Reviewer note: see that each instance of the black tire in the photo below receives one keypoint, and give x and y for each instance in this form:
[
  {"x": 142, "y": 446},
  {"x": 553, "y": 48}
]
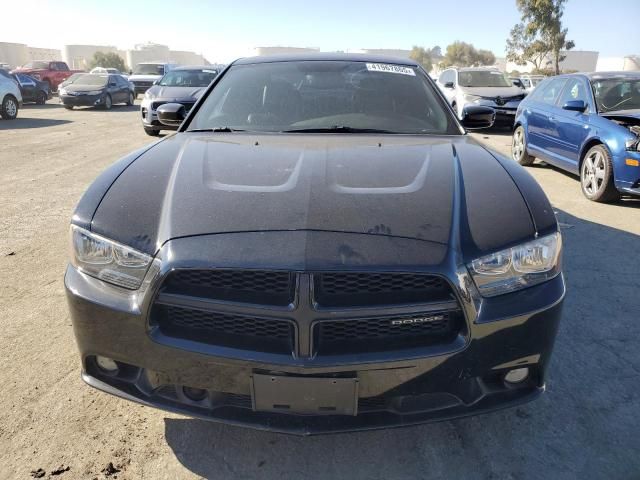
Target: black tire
[
  {"x": 9, "y": 108},
  {"x": 41, "y": 98},
  {"x": 131, "y": 99},
  {"x": 69, "y": 107},
  {"x": 151, "y": 132},
  {"x": 596, "y": 175},
  {"x": 519, "y": 147},
  {"x": 108, "y": 102}
]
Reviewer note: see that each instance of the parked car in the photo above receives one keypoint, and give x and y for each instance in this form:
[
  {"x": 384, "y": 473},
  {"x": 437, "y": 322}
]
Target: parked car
[
  {"x": 103, "y": 70},
  {"x": 32, "y": 90},
  {"x": 586, "y": 124},
  {"x": 320, "y": 247},
  {"x": 96, "y": 90},
  {"x": 182, "y": 85},
  {"x": 53, "y": 73},
  {"x": 70, "y": 80},
  {"x": 530, "y": 82},
  {"x": 145, "y": 74},
  {"x": 5, "y": 66},
  {"x": 10, "y": 98},
  {"x": 481, "y": 86}
]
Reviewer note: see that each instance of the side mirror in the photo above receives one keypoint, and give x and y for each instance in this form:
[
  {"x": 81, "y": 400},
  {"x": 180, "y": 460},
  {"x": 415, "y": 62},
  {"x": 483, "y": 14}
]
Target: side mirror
[
  {"x": 171, "y": 114},
  {"x": 475, "y": 117},
  {"x": 448, "y": 85},
  {"x": 575, "y": 106}
]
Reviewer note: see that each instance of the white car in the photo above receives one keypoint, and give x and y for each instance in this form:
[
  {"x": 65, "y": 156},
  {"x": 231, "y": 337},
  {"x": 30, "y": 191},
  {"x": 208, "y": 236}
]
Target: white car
[
  {"x": 144, "y": 75},
  {"x": 10, "y": 98},
  {"x": 108, "y": 70}
]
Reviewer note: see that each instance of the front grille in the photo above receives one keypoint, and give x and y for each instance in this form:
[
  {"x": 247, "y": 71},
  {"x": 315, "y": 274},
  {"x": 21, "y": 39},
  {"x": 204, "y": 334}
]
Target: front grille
[
  {"x": 142, "y": 83},
  {"x": 334, "y": 337},
  {"x": 225, "y": 329},
  {"x": 187, "y": 105},
  {"x": 343, "y": 289},
  {"x": 247, "y": 286}
]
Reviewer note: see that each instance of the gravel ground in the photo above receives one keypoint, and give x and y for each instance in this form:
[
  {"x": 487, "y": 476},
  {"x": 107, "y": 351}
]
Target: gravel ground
[{"x": 586, "y": 426}]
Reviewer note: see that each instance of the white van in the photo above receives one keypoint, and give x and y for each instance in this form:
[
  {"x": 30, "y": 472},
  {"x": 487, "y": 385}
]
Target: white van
[{"x": 145, "y": 74}]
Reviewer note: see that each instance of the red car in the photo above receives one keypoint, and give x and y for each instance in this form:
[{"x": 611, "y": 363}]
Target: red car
[{"x": 53, "y": 73}]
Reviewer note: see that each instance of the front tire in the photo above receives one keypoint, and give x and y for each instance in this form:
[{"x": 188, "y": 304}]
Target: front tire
[
  {"x": 152, "y": 132},
  {"x": 596, "y": 175},
  {"x": 69, "y": 107},
  {"x": 9, "y": 108},
  {"x": 131, "y": 99},
  {"x": 519, "y": 147},
  {"x": 41, "y": 98},
  {"x": 108, "y": 103}
]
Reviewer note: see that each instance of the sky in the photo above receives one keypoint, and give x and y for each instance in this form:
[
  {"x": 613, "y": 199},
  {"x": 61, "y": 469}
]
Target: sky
[{"x": 224, "y": 30}]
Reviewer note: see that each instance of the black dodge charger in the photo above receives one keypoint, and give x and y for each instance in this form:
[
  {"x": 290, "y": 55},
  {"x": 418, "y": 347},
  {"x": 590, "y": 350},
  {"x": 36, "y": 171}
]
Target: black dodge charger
[{"x": 320, "y": 247}]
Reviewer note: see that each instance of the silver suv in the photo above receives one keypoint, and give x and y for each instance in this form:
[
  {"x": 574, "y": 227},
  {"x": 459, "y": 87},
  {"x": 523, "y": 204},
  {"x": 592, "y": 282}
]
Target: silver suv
[
  {"x": 10, "y": 98},
  {"x": 481, "y": 86}
]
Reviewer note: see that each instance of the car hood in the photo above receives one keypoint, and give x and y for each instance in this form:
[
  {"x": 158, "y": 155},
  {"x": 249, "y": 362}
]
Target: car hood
[
  {"x": 445, "y": 190},
  {"x": 72, "y": 87},
  {"x": 622, "y": 115},
  {"x": 494, "y": 91},
  {"x": 175, "y": 93}
]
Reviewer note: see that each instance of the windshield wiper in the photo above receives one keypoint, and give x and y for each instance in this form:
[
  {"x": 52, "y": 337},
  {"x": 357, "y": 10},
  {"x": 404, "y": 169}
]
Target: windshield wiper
[
  {"x": 217, "y": 129},
  {"x": 337, "y": 129}
]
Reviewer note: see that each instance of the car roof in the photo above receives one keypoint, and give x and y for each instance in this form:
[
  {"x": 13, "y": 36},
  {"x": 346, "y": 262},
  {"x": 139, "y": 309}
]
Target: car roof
[
  {"x": 313, "y": 56},
  {"x": 605, "y": 75},
  {"x": 197, "y": 67}
]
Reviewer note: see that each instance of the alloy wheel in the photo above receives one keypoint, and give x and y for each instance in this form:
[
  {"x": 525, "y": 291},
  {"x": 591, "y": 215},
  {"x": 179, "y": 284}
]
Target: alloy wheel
[
  {"x": 517, "y": 144},
  {"x": 593, "y": 172},
  {"x": 11, "y": 107}
]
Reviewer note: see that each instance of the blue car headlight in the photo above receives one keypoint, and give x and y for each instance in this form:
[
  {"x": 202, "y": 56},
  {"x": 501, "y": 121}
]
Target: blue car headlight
[{"x": 518, "y": 267}]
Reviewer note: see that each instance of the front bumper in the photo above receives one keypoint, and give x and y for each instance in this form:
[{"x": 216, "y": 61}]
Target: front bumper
[
  {"x": 82, "y": 100},
  {"x": 460, "y": 378}
]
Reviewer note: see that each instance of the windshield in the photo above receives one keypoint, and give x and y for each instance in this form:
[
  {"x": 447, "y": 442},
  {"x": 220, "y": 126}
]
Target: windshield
[
  {"x": 149, "y": 69},
  {"x": 91, "y": 79},
  {"x": 38, "y": 65},
  {"x": 188, "y": 78},
  {"x": 617, "y": 94},
  {"x": 483, "y": 78},
  {"x": 335, "y": 96}
]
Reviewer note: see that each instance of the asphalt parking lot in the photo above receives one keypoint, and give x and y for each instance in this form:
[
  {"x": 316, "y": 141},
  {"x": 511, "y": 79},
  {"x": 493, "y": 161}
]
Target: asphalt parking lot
[{"x": 586, "y": 426}]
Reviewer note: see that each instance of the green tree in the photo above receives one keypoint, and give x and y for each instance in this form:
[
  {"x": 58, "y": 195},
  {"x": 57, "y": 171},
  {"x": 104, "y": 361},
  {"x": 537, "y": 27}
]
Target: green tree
[
  {"x": 464, "y": 54},
  {"x": 524, "y": 48},
  {"x": 422, "y": 56},
  {"x": 107, "y": 60},
  {"x": 542, "y": 29}
]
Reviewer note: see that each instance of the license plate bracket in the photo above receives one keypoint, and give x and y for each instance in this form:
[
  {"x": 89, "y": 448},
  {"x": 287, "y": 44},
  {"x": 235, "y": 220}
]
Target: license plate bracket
[{"x": 305, "y": 395}]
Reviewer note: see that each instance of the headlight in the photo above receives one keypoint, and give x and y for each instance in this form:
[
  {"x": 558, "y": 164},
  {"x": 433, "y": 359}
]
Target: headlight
[
  {"x": 633, "y": 144},
  {"x": 519, "y": 267},
  {"x": 108, "y": 260},
  {"x": 62, "y": 91},
  {"x": 471, "y": 98}
]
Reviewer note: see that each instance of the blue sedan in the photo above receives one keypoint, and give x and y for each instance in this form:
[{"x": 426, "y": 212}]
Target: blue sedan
[{"x": 587, "y": 124}]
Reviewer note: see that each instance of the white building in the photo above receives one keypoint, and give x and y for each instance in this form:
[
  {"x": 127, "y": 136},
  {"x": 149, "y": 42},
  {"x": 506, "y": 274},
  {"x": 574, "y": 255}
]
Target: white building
[
  {"x": 575, "y": 61},
  {"x": 614, "y": 64},
  {"x": 78, "y": 57},
  {"x": 16, "y": 54}
]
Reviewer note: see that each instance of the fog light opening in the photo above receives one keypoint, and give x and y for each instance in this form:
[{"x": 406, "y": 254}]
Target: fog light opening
[
  {"x": 517, "y": 375},
  {"x": 107, "y": 365},
  {"x": 195, "y": 394}
]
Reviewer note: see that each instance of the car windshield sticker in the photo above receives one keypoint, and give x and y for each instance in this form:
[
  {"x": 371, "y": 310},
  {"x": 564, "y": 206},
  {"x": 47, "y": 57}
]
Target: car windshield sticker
[{"x": 383, "y": 67}]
